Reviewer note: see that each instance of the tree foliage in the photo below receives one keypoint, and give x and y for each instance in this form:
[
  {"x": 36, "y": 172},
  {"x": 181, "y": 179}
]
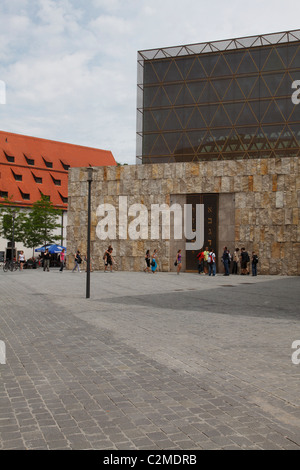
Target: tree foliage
[
  {"x": 32, "y": 228},
  {"x": 40, "y": 224},
  {"x": 12, "y": 219}
]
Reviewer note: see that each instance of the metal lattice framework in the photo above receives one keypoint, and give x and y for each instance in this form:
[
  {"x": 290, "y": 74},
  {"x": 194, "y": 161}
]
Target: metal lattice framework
[{"x": 219, "y": 100}]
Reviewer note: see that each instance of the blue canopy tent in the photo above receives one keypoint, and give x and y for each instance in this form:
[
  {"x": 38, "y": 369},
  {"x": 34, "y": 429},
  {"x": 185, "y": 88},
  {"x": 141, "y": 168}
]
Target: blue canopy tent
[{"x": 52, "y": 248}]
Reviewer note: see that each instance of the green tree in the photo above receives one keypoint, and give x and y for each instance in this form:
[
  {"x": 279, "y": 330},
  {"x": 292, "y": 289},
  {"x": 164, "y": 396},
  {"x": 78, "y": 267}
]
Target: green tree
[
  {"x": 40, "y": 223},
  {"x": 12, "y": 220}
]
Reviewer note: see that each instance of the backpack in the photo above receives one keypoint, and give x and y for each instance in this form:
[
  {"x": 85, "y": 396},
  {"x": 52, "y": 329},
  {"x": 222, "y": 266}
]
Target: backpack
[{"x": 209, "y": 258}]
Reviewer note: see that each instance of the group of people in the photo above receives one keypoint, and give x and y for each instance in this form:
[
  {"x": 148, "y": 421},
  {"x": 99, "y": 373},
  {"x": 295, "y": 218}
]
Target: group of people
[
  {"x": 151, "y": 261},
  {"x": 207, "y": 262},
  {"x": 241, "y": 262},
  {"x": 47, "y": 257},
  {"x": 107, "y": 257},
  {"x": 34, "y": 263},
  {"x": 238, "y": 262}
]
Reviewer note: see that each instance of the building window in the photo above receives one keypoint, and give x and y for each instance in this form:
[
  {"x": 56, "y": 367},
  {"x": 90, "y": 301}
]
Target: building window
[
  {"x": 47, "y": 163},
  {"x": 64, "y": 199},
  {"x": 9, "y": 158},
  {"x": 37, "y": 179},
  {"x": 25, "y": 196},
  {"x": 17, "y": 177},
  {"x": 65, "y": 165},
  {"x": 3, "y": 194},
  {"x": 29, "y": 160},
  {"x": 55, "y": 181}
]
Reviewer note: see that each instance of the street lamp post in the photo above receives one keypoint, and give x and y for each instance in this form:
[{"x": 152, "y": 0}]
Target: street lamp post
[
  {"x": 88, "y": 251},
  {"x": 13, "y": 236}
]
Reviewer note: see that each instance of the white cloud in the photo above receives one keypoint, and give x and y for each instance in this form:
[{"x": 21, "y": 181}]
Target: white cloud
[{"x": 70, "y": 66}]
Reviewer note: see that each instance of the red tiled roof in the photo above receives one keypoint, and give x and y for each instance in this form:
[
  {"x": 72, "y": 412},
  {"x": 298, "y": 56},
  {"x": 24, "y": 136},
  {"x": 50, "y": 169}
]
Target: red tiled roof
[{"x": 30, "y": 166}]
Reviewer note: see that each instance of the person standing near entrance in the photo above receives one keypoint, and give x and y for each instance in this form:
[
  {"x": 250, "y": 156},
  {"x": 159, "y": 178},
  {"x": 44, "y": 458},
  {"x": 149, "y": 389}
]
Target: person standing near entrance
[
  {"x": 244, "y": 261},
  {"x": 62, "y": 257},
  {"x": 200, "y": 257},
  {"x": 225, "y": 259},
  {"x": 254, "y": 263},
  {"x": 212, "y": 263},
  {"x": 235, "y": 261},
  {"x": 205, "y": 260}
]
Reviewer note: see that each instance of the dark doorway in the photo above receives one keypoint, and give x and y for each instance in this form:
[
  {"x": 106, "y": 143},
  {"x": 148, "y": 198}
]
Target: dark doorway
[{"x": 210, "y": 202}]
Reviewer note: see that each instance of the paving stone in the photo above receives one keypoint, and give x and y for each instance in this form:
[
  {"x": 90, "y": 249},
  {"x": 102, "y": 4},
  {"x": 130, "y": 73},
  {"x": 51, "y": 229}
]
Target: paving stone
[{"x": 142, "y": 365}]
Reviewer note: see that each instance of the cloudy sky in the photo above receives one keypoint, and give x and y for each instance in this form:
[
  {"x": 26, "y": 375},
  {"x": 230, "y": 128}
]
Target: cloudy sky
[{"x": 70, "y": 66}]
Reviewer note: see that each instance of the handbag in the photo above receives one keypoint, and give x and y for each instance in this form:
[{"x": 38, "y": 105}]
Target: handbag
[{"x": 175, "y": 264}]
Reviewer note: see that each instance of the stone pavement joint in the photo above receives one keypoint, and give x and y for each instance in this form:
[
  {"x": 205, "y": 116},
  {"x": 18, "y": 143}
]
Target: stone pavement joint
[{"x": 158, "y": 361}]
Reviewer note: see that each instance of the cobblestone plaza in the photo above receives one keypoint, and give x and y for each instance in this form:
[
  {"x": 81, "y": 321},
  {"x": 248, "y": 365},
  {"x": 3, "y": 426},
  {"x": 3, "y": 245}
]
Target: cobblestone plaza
[{"x": 160, "y": 361}]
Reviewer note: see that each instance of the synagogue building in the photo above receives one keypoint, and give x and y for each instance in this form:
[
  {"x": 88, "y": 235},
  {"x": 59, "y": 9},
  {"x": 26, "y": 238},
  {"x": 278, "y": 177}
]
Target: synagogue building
[{"x": 218, "y": 127}]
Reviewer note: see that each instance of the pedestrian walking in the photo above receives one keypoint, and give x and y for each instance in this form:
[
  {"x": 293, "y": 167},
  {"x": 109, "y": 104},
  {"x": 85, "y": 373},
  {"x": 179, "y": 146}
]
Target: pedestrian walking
[
  {"x": 147, "y": 260},
  {"x": 47, "y": 257},
  {"x": 21, "y": 260},
  {"x": 62, "y": 257},
  {"x": 109, "y": 259},
  {"x": 178, "y": 261},
  {"x": 77, "y": 260},
  {"x": 154, "y": 262}
]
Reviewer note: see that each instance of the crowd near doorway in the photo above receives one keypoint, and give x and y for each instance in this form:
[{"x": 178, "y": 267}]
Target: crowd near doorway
[{"x": 211, "y": 203}]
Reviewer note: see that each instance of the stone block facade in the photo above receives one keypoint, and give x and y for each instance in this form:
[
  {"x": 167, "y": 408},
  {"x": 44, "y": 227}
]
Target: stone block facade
[{"x": 259, "y": 208}]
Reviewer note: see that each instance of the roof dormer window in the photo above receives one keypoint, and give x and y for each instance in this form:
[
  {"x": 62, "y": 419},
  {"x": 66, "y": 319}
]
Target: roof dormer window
[
  {"x": 37, "y": 179},
  {"x": 65, "y": 165},
  {"x": 48, "y": 163},
  {"x": 30, "y": 161},
  {"x": 9, "y": 158},
  {"x": 63, "y": 198},
  {"x": 16, "y": 176},
  {"x": 25, "y": 196},
  {"x": 56, "y": 181}
]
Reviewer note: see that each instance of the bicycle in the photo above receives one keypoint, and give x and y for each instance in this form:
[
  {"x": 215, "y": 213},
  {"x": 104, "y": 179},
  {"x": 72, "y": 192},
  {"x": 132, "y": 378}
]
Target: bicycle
[{"x": 10, "y": 265}]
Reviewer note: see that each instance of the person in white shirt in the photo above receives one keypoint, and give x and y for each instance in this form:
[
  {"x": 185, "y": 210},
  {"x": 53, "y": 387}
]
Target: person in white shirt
[
  {"x": 211, "y": 263},
  {"x": 21, "y": 259}
]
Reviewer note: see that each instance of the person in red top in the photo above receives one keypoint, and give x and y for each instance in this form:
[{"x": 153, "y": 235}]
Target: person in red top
[
  {"x": 62, "y": 257},
  {"x": 200, "y": 257}
]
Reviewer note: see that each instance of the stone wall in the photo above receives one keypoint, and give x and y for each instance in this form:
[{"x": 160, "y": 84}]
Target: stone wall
[{"x": 261, "y": 197}]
